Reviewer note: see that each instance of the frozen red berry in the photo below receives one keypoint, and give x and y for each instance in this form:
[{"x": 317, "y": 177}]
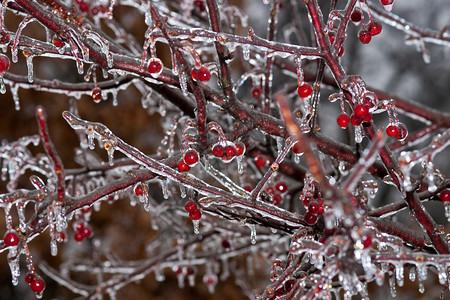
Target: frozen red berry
[
  {"x": 361, "y": 111},
  {"x": 402, "y": 133},
  {"x": 97, "y": 95},
  {"x": 155, "y": 65},
  {"x": 364, "y": 36},
  {"x": 183, "y": 167},
  {"x": 314, "y": 207},
  {"x": 30, "y": 277},
  {"x": 57, "y": 42},
  {"x": 256, "y": 92},
  {"x": 218, "y": 150},
  {"x": 260, "y": 162},
  {"x": 37, "y": 286},
  {"x": 445, "y": 195},
  {"x": 203, "y": 74},
  {"x": 4, "y": 63},
  {"x": 240, "y": 148},
  {"x": 11, "y": 239},
  {"x": 281, "y": 187},
  {"x": 374, "y": 28},
  {"x": 304, "y": 90},
  {"x": 78, "y": 237},
  {"x": 191, "y": 206},
  {"x": 297, "y": 148},
  {"x": 356, "y": 121},
  {"x": 392, "y": 130},
  {"x": 387, "y": 2},
  {"x": 356, "y": 16},
  {"x": 310, "y": 218},
  {"x": 343, "y": 120},
  {"x": 139, "y": 190},
  {"x": 191, "y": 158},
  {"x": 366, "y": 241},
  {"x": 195, "y": 215},
  {"x": 230, "y": 151}
]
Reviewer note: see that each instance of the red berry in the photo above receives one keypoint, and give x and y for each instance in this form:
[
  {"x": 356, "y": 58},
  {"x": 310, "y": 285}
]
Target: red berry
[
  {"x": 230, "y": 151},
  {"x": 343, "y": 120},
  {"x": 87, "y": 232},
  {"x": 78, "y": 237},
  {"x": 366, "y": 241},
  {"x": 403, "y": 132},
  {"x": 191, "y": 207},
  {"x": 57, "y": 42},
  {"x": 11, "y": 239},
  {"x": 356, "y": 121},
  {"x": 155, "y": 65},
  {"x": 392, "y": 130},
  {"x": 276, "y": 199},
  {"x": 361, "y": 111},
  {"x": 191, "y": 158},
  {"x": 387, "y": 2},
  {"x": 5, "y": 38},
  {"x": 200, "y": 5},
  {"x": 314, "y": 207},
  {"x": 240, "y": 148},
  {"x": 281, "y": 187},
  {"x": 256, "y": 92},
  {"x": 364, "y": 36},
  {"x": 95, "y": 10},
  {"x": 310, "y": 218},
  {"x": 195, "y": 215},
  {"x": 260, "y": 162},
  {"x": 445, "y": 196},
  {"x": 248, "y": 188},
  {"x": 194, "y": 74},
  {"x": 139, "y": 190},
  {"x": 203, "y": 74},
  {"x": 84, "y": 7},
  {"x": 30, "y": 277},
  {"x": 218, "y": 150},
  {"x": 226, "y": 244},
  {"x": 85, "y": 210},
  {"x": 4, "y": 64},
  {"x": 368, "y": 118},
  {"x": 97, "y": 95},
  {"x": 297, "y": 148},
  {"x": 374, "y": 28},
  {"x": 356, "y": 16},
  {"x": 37, "y": 285},
  {"x": 103, "y": 9},
  {"x": 183, "y": 167},
  {"x": 304, "y": 90}
]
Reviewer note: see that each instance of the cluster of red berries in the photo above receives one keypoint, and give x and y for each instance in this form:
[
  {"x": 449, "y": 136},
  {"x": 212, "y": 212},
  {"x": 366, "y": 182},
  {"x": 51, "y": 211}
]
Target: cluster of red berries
[
  {"x": 99, "y": 9},
  {"x": 304, "y": 90},
  {"x": 201, "y": 74},
  {"x": 82, "y": 231},
  {"x": 361, "y": 114},
  {"x": 397, "y": 130},
  {"x": 4, "y": 64},
  {"x": 228, "y": 150},
  {"x": 194, "y": 212},
  {"x": 36, "y": 284},
  {"x": 368, "y": 30},
  {"x": 277, "y": 192},
  {"x": 190, "y": 159},
  {"x": 11, "y": 239},
  {"x": 83, "y": 6},
  {"x": 314, "y": 208}
]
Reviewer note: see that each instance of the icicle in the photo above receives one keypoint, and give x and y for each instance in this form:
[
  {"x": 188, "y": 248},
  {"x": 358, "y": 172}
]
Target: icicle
[
  {"x": 182, "y": 191},
  {"x": 392, "y": 286},
  {"x": 21, "y": 214},
  {"x": 13, "y": 261},
  {"x": 165, "y": 188},
  {"x": 447, "y": 210},
  {"x": 159, "y": 275},
  {"x": 114, "y": 96},
  {"x": 252, "y": 233},
  {"x": 29, "y": 60},
  {"x": 246, "y": 51},
  {"x": 183, "y": 84},
  {"x": 2, "y": 85},
  {"x": 90, "y": 136},
  {"x": 53, "y": 247},
  {"x": 15, "y": 93},
  {"x": 412, "y": 274},
  {"x": 399, "y": 273},
  {"x": 421, "y": 276},
  {"x": 358, "y": 134},
  {"x": 196, "y": 224},
  {"x": 442, "y": 274},
  {"x": 240, "y": 164},
  {"x": 111, "y": 156}
]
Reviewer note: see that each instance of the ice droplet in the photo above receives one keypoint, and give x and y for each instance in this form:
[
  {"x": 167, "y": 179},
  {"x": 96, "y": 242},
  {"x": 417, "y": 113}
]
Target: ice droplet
[
  {"x": 358, "y": 134},
  {"x": 2, "y": 85},
  {"x": 53, "y": 247},
  {"x": 399, "y": 273},
  {"x": 165, "y": 188},
  {"x": 182, "y": 191},
  {"x": 388, "y": 8},
  {"x": 246, "y": 51},
  {"x": 412, "y": 274},
  {"x": 15, "y": 93},
  {"x": 240, "y": 164},
  {"x": 111, "y": 156}
]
